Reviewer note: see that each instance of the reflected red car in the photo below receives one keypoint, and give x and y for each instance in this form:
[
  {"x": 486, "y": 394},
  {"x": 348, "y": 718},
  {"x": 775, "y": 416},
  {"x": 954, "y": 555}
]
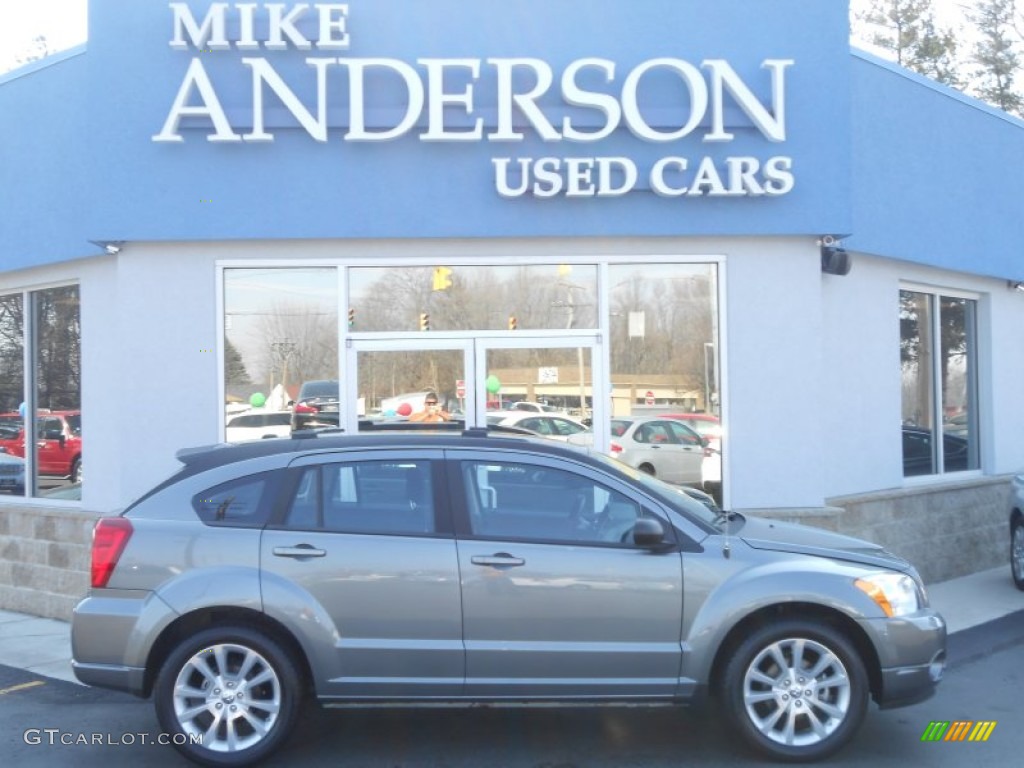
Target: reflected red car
[{"x": 59, "y": 441}]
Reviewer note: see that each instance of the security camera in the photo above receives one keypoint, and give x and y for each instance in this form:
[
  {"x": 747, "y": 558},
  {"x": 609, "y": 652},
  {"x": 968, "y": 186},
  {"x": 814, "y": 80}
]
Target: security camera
[{"x": 828, "y": 241}]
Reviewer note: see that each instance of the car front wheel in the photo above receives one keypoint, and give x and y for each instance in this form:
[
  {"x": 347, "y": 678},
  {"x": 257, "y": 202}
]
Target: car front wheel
[
  {"x": 1017, "y": 552},
  {"x": 228, "y": 696},
  {"x": 797, "y": 690}
]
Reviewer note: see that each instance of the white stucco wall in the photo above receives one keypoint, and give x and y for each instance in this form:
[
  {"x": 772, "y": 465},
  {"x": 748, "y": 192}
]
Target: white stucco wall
[{"x": 811, "y": 384}]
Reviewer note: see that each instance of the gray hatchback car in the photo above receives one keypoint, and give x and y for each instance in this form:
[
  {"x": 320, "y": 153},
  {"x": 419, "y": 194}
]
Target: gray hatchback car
[{"x": 468, "y": 568}]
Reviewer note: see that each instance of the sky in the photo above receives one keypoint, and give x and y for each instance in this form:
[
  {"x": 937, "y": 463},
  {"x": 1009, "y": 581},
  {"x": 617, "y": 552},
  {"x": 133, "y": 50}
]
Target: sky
[{"x": 63, "y": 22}]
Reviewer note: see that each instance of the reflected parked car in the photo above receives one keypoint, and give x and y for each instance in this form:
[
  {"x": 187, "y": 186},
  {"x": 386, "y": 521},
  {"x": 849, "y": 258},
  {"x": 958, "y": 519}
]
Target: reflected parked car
[
  {"x": 918, "y": 452},
  {"x": 406, "y": 569},
  {"x": 317, "y": 405},
  {"x": 661, "y": 447},
  {"x": 1017, "y": 532},
  {"x": 12, "y": 473},
  {"x": 551, "y": 425},
  {"x": 526, "y": 405},
  {"x": 704, "y": 424},
  {"x": 259, "y": 425},
  {"x": 58, "y": 442}
]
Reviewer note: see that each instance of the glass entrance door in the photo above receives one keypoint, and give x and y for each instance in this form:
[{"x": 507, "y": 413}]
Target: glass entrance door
[{"x": 537, "y": 382}]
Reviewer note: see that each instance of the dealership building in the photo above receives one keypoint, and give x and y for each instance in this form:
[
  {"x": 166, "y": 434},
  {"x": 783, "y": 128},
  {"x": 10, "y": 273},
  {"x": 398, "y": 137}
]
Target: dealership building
[{"x": 671, "y": 206}]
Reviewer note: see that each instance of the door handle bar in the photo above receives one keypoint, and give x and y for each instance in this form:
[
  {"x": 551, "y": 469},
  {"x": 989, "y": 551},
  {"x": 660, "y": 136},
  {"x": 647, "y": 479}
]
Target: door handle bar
[
  {"x": 499, "y": 559},
  {"x": 302, "y": 550}
]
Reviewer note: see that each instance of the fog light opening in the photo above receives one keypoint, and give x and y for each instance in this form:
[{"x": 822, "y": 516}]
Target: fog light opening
[{"x": 937, "y": 666}]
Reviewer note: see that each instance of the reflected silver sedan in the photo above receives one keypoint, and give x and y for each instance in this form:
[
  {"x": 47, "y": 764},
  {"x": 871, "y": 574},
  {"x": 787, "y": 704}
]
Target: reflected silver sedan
[{"x": 665, "y": 448}]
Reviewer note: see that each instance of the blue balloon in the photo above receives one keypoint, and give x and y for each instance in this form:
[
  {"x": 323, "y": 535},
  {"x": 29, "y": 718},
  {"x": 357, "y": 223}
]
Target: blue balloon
[
  {"x": 390, "y": 413},
  {"x": 21, "y": 410}
]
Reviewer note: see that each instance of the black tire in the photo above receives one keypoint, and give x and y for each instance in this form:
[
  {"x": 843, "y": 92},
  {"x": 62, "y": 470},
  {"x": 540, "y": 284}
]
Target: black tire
[
  {"x": 76, "y": 470},
  {"x": 231, "y": 656},
  {"x": 1017, "y": 551},
  {"x": 647, "y": 469},
  {"x": 759, "y": 693}
]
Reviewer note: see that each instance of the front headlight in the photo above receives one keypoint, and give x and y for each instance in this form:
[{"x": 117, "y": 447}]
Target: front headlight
[{"x": 895, "y": 593}]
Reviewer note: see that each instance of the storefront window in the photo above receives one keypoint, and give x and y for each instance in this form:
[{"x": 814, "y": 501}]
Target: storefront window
[
  {"x": 938, "y": 349},
  {"x": 12, "y": 394},
  {"x": 664, "y": 350},
  {"x": 52, "y": 320},
  {"x": 473, "y": 298},
  {"x": 280, "y": 333},
  {"x": 664, "y": 337},
  {"x": 57, "y": 357}
]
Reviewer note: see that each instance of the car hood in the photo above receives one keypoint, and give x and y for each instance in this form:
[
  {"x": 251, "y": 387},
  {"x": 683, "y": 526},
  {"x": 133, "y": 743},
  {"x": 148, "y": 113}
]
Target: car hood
[{"x": 761, "y": 533}]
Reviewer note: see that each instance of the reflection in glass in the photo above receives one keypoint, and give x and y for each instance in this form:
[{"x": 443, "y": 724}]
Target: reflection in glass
[
  {"x": 959, "y": 415},
  {"x": 281, "y": 330},
  {"x": 12, "y": 394},
  {"x": 473, "y": 298},
  {"x": 939, "y": 406},
  {"x": 541, "y": 380},
  {"x": 664, "y": 338},
  {"x": 57, "y": 356},
  {"x": 394, "y": 386}
]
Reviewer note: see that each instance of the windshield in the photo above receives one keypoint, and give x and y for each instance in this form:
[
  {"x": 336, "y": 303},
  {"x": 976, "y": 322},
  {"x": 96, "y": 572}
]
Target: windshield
[{"x": 672, "y": 495}]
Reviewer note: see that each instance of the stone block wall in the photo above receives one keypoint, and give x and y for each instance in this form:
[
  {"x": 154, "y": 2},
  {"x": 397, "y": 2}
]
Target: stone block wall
[
  {"x": 946, "y": 530},
  {"x": 45, "y": 557}
]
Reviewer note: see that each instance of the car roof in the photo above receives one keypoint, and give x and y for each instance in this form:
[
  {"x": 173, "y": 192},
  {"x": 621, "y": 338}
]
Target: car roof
[{"x": 401, "y": 434}]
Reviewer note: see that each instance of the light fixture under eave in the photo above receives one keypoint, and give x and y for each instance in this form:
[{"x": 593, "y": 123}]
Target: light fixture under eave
[
  {"x": 1015, "y": 285},
  {"x": 113, "y": 247}
]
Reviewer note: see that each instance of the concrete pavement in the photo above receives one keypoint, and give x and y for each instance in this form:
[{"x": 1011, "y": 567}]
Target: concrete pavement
[{"x": 43, "y": 646}]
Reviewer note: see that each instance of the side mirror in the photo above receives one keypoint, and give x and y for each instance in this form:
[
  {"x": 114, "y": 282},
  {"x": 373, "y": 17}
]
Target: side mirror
[{"x": 648, "y": 532}]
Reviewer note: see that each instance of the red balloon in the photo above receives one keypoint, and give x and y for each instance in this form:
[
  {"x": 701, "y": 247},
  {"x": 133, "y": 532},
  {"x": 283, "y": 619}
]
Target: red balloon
[{"x": 404, "y": 409}]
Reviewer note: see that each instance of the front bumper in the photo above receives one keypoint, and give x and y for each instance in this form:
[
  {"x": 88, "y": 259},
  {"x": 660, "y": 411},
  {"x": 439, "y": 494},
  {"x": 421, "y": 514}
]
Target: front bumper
[{"x": 912, "y": 656}]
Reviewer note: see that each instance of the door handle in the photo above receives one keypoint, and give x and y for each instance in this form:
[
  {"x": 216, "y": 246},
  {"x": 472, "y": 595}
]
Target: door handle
[
  {"x": 499, "y": 559},
  {"x": 300, "y": 551}
]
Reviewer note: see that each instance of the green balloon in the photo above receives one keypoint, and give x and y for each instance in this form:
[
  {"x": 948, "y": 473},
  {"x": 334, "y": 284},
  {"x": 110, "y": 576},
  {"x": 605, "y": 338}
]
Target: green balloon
[
  {"x": 493, "y": 385},
  {"x": 257, "y": 400}
]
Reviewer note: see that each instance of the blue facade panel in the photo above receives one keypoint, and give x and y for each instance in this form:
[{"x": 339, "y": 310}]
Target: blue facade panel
[
  {"x": 937, "y": 176},
  {"x": 298, "y": 187}
]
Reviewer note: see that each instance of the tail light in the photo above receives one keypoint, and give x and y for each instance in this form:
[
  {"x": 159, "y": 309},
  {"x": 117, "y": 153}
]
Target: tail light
[
  {"x": 109, "y": 538},
  {"x": 616, "y": 448},
  {"x": 306, "y": 408}
]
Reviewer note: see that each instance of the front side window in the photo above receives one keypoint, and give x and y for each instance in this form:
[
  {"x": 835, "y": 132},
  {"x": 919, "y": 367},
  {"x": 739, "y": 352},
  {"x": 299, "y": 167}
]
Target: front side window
[
  {"x": 529, "y": 503},
  {"x": 938, "y": 357}
]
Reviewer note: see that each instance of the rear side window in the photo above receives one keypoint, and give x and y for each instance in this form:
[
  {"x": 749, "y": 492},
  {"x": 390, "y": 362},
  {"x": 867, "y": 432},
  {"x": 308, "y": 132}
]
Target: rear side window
[
  {"x": 240, "y": 502},
  {"x": 388, "y": 497}
]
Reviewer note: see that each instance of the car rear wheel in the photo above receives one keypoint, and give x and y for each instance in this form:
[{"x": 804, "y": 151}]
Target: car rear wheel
[
  {"x": 797, "y": 690},
  {"x": 1017, "y": 552},
  {"x": 229, "y": 696},
  {"x": 647, "y": 469}
]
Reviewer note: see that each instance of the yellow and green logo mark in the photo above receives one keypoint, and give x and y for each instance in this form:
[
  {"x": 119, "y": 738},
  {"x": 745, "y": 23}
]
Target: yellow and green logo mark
[{"x": 958, "y": 730}]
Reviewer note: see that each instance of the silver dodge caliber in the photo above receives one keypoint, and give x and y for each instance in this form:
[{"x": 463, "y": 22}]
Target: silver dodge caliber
[{"x": 467, "y": 568}]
